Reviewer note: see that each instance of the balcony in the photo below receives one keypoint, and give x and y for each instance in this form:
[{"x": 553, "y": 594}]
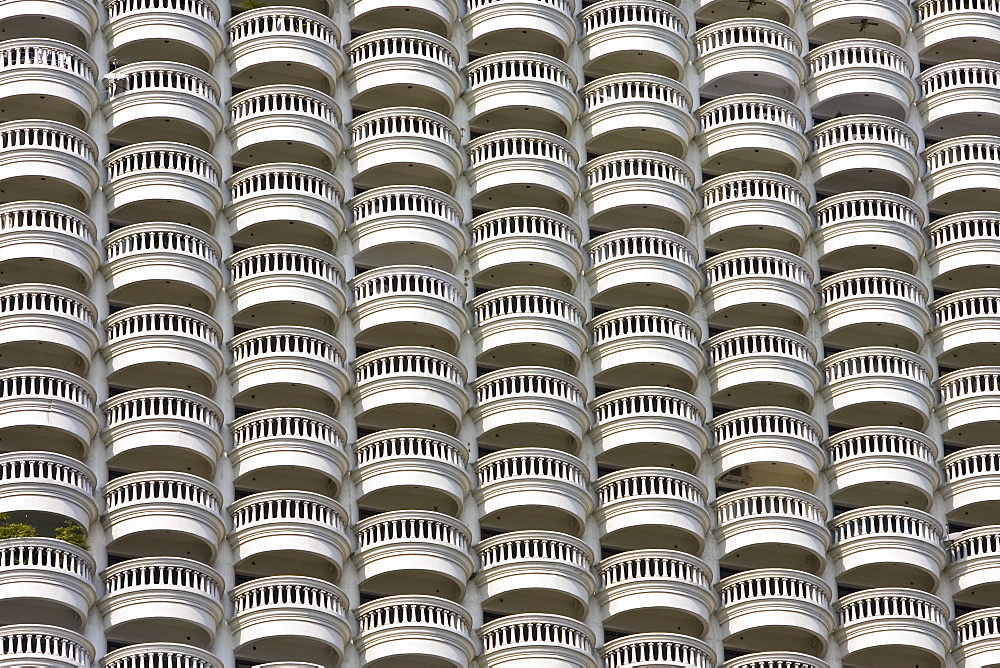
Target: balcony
[
  {"x": 162, "y": 428},
  {"x": 64, "y": 20},
  {"x": 652, "y": 508},
  {"x": 954, "y": 29},
  {"x": 770, "y": 446},
  {"x": 755, "y": 209},
  {"x": 546, "y": 27},
  {"x": 306, "y": 121},
  {"x": 163, "y": 263},
  {"x": 829, "y": 20},
  {"x": 284, "y": 45},
  {"x": 405, "y": 146},
  {"x": 413, "y": 552},
  {"x": 711, "y": 11},
  {"x": 413, "y": 469},
  {"x": 289, "y": 532},
  {"x": 881, "y": 307},
  {"x": 49, "y": 324},
  {"x": 437, "y": 16},
  {"x": 776, "y": 660},
  {"x": 288, "y": 448},
  {"x": 47, "y": 160},
  {"x": 414, "y": 630},
  {"x": 754, "y": 132},
  {"x": 399, "y": 225},
  {"x": 861, "y": 76},
  {"x": 43, "y": 484},
  {"x": 185, "y": 31},
  {"x": 967, "y": 327},
  {"x": 279, "y": 367},
  {"x": 529, "y": 640},
  {"x": 741, "y": 359},
  {"x": 162, "y": 599},
  {"x": 864, "y": 151},
  {"x": 965, "y": 250},
  {"x": 505, "y": 165},
  {"x": 163, "y": 181},
  {"x": 651, "y": 648},
  {"x": 526, "y": 246},
  {"x": 775, "y": 609},
  {"x": 869, "y": 229},
  {"x": 973, "y": 568},
  {"x": 649, "y": 36},
  {"x": 646, "y": 590},
  {"x": 636, "y": 111},
  {"x": 43, "y": 645},
  {"x": 47, "y": 78},
  {"x": 57, "y": 240},
  {"x": 649, "y": 426},
  {"x": 154, "y": 654},
  {"x": 533, "y": 488},
  {"x": 890, "y": 626},
  {"x": 639, "y": 189},
  {"x": 977, "y": 637},
  {"x": 960, "y": 98},
  {"x": 45, "y": 580},
  {"x": 403, "y": 66},
  {"x": 530, "y": 406},
  {"x": 969, "y": 488},
  {"x": 969, "y": 401},
  {"x": 962, "y": 173},
  {"x": 643, "y": 267},
  {"x": 529, "y": 325},
  {"x": 47, "y": 409},
  {"x": 170, "y": 101},
  {"x": 536, "y": 571},
  {"x": 747, "y": 55},
  {"x": 289, "y": 618},
  {"x": 878, "y": 386}
]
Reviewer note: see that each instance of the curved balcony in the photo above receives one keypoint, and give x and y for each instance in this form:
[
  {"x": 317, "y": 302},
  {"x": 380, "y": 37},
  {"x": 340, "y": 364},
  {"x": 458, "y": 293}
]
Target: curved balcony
[
  {"x": 965, "y": 250},
  {"x": 494, "y": 26},
  {"x": 47, "y": 78},
  {"x": 526, "y": 640},
  {"x": 749, "y": 55},
  {"x": 969, "y": 488},
  {"x": 164, "y": 263},
  {"x": 45, "y": 580},
  {"x": 530, "y": 406},
  {"x": 306, "y": 121},
  {"x": 186, "y": 31},
  {"x": 47, "y": 484},
  {"x": 37, "y": 644},
  {"x": 43, "y": 237},
  {"x": 645, "y": 345},
  {"x": 264, "y": 41},
  {"x": 829, "y": 20},
  {"x": 649, "y": 426},
  {"x": 289, "y": 618},
  {"x": 399, "y": 225},
  {"x": 762, "y": 366},
  {"x": 758, "y": 286},
  {"x": 49, "y": 409},
  {"x": 652, "y": 508},
  {"x": 278, "y": 367},
  {"x": 536, "y": 571},
  {"x": 420, "y": 305},
  {"x": 873, "y": 307},
  {"x": 960, "y": 98},
  {"x": 163, "y": 513},
  {"x": 769, "y": 445},
  {"x": 963, "y": 173},
  {"x": 170, "y": 101},
  {"x": 285, "y": 203},
  {"x": 405, "y": 146},
  {"x": 968, "y": 404},
  {"x": 163, "y": 181},
  {"x": 47, "y": 160},
  {"x": 775, "y": 609},
  {"x": 162, "y": 428},
  {"x": 414, "y": 630},
  {"x": 953, "y": 29},
  {"x": 402, "y": 65},
  {"x": 711, "y": 11},
  {"x": 413, "y": 469},
  {"x": 410, "y": 386},
  {"x": 639, "y": 189},
  {"x": 658, "y": 648},
  {"x": 890, "y": 626},
  {"x": 776, "y": 660},
  {"x": 861, "y": 76},
  {"x": 977, "y": 636},
  {"x": 413, "y": 552},
  {"x": 868, "y": 229},
  {"x": 755, "y": 210},
  {"x": 864, "y": 151},
  {"x": 526, "y": 246},
  {"x": 643, "y": 591},
  {"x": 967, "y": 326},
  {"x": 974, "y": 562},
  {"x": 157, "y": 654},
  {"x": 162, "y": 599},
  {"x": 64, "y": 20},
  {"x": 752, "y": 131},
  {"x": 437, "y": 16},
  {"x": 47, "y": 323},
  {"x": 288, "y": 448},
  {"x": 625, "y": 36},
  {"x": 289, "y": 532},
  {"x": 505, "y": 165},
  {"x": 533, "y": 488},
  {"x": 643, "y": 267},
  {"x": 878, "y": 386}
]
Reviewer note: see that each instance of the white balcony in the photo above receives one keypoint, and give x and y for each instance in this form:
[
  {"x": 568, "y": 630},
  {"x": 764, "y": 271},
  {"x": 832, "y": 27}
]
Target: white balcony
[
  {"x": 420, "y": 305},
  {"x": 155, "y": 654},
  {"x": 44, "y": 646},
  {"x": 162, "y": 599},
  {"x": 45, "y": 580},
  {"x": 971, "y": 481},
  {"x": 967, "y": 327},
  {"x": 711, "y": 11},
  {"x": 977, "y": 636},
  {"x": 968, "y": 404},
  {"x": 47, "y": 160},
  {"x": 64, "y": 20},
  {"x": 187, "y": 31},
  {"x": 520, "y": 89},
  {"x": 57, "y": 240},
  {"x": 652, "y": 508},
  {"x": 645, "y": 649},
  {"x": 878, "y": 386},
  {"x": 881, "y": 307},
  {"x": 893, "y": 626},
  {"x": 965, "y": 250},
  {"x": 544, "y": 27},
  {"x": 753, "y": 132},
  {"x": 163, "y": 513},
  {"x": 953, "y": 29},
  {"x": 861, "y": 76},
  {"x": 643, "y": 267},
  {"x": 47, "y": 78},
  {"x": 49, "y": 324},
  {"x": 643, "y": 591},
  {"x": 530, "y": 406},
  {"x": 868, "y": 229},
  {"x": 47, "y": 409},
  {"x": 436, "y": 16},
  {"x": 963, "y": 173},
  {"x": 749, "y": 55},
  {"x": 974, "y": 568},
  {"x": 755, "y": 209},
  {"x": 888, "y": 20},
  {"x": 532, "y": 640},
  {"x": 960, "y": 97},
  {"x": 864, "y": 151},
  {"x": 621, "y": 36},
  {"x": 414, "y": 630},
  {"x": 529, "y": 325},
  {"x": 649, "y": 426},
  {"x": 47, "y": 483}
]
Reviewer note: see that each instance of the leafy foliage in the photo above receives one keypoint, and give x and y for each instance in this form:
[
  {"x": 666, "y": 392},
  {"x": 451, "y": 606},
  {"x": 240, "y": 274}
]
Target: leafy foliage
[
  {"x": 72, "y": 532},
  {"x": 10, "y": 529}
]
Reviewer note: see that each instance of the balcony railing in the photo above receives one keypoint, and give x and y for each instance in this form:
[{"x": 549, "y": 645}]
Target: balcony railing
[
  {"x": 160, "y": 655},
  {"x": 411, "y": 628},
  {"x": 849, "y": 225},
  {"x": 504, "y": 25},
  {"x": 856, "y": 305},
  {"x": 627, "y": 36},
  {"x": 862, "y": 150},
  {"x": 750, "y": 55},
  {"x": 755, "y": 209},
  {"x": 887, "y": 618},
  {"x": 960, "y": 97},
  {"x": 48, "y": 483},
  {"x": 663, "y": 648},
  {"x": 840, "y": 70},
  {"x": 186, "y": 31},
  {"x": 548, "y": 637},
  {"x": 38, "y": 644}
]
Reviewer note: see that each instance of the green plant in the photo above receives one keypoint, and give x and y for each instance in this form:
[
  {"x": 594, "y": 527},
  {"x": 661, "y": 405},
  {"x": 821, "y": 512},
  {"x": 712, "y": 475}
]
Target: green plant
[
  {"x": 72, "y": 532},
  {"x": 251, "y": 4},
  {"x": 10, "y": 529}
]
